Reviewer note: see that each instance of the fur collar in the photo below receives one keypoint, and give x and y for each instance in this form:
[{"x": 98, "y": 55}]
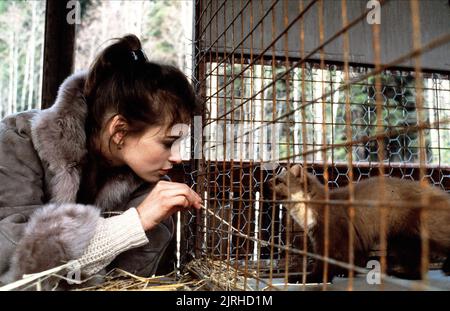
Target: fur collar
[{"x": 59, "y": 137}]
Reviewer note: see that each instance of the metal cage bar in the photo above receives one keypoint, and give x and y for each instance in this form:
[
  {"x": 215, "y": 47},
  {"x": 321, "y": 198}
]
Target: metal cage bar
[{"x": 272, "y": 101}]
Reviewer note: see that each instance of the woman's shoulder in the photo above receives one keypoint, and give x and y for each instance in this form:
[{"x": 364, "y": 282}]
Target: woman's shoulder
[{"x": 17, "y": 152}]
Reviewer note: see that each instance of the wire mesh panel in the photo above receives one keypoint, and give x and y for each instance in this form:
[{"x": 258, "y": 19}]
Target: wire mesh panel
[{"x": 348, "y": 95}]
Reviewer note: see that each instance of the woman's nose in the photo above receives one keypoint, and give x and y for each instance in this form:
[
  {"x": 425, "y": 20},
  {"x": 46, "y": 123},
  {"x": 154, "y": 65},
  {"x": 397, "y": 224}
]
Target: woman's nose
[{"x": 175, "y": 158}]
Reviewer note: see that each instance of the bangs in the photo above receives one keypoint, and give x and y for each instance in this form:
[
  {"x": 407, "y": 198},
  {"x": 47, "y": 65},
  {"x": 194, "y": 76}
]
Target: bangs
[
  {"x": 175, "y": 115},
  {"x": 171, "y": 110}
]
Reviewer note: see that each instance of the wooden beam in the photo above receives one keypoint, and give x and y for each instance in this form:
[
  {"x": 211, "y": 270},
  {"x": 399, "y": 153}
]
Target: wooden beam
[{"x": 59, "y": 49}]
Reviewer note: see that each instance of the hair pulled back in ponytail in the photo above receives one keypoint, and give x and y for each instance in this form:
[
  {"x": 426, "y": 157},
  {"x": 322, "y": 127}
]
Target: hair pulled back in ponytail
[{"x": 122, "y": 81}]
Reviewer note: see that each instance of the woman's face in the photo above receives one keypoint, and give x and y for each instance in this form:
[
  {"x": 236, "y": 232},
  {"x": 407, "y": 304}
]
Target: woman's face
[{"x": 152, "y": 154}]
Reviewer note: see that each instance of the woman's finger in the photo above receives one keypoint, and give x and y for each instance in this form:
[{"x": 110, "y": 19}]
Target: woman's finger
[
  {"x": 165, "y": 185},
  {"x": 169, "y": 193},
  {"x": 179, "y": 202}
]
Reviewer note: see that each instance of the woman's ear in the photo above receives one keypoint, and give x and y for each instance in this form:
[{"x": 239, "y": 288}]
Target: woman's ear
[{"x": 117, "y": 129}]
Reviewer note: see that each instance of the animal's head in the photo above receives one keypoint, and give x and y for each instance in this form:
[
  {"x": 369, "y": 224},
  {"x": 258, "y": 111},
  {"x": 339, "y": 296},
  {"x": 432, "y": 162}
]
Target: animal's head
[{"x": 291, "y": 181}]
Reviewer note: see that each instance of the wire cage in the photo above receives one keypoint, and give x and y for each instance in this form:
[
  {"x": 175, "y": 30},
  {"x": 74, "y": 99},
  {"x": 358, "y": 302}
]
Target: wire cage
[{"x": 349, "y": 89}]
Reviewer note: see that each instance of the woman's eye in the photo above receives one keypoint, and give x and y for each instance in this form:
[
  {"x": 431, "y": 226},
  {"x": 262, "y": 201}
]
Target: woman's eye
[{"x": 168, "y": 144}]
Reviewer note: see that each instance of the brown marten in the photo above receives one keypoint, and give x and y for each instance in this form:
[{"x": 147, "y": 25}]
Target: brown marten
[{"x": 402, "y": 225}]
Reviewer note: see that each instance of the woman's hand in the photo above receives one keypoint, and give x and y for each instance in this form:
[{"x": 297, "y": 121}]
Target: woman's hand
[{"x": 164, "y": 200}]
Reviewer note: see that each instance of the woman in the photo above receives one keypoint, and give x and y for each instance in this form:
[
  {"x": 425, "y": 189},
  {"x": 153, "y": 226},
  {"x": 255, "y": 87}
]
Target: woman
[{"x": 103, "y": 148}]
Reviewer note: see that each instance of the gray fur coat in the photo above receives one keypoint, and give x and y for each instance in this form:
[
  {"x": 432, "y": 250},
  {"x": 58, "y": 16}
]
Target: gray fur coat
[{"x": 41, "y": 224}]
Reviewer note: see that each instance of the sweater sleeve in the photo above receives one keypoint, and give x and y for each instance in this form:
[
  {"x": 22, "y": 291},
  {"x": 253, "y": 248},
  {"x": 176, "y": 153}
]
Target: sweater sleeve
[{"x": 112, "y": 236}]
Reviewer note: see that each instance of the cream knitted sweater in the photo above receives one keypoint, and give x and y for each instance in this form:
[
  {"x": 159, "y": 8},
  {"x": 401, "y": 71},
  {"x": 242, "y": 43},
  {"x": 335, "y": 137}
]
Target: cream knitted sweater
[{"x": 112, "y": 236}]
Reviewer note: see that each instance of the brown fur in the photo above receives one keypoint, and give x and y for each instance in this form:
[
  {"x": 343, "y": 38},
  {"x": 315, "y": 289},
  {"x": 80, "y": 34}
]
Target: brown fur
[{"x": 403, "y": 222}]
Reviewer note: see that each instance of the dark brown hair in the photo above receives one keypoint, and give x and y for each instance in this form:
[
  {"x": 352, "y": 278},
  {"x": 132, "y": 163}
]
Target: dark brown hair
[{"x": 122, "y": 81}]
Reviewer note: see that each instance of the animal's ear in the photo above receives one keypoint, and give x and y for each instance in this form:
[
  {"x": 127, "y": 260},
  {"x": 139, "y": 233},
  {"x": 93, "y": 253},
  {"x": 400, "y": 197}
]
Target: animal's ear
[{"x": 296, "y": 170}]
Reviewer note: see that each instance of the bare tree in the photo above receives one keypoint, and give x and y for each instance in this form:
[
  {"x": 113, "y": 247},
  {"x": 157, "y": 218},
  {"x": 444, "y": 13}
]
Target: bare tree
[
  {"x": 11, "y": 44},
  {"x": 32, "y": 51},
  {"x": 21, "y": 24},
  {"x": 164, "y": 28}
]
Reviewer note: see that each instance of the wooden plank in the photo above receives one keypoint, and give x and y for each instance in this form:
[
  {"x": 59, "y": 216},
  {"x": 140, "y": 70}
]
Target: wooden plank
[{"x": 59, "y": 49}]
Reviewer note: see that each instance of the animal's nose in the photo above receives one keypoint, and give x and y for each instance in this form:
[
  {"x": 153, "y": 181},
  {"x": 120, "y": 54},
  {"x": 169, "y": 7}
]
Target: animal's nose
[{"x": 268, "y": 184}]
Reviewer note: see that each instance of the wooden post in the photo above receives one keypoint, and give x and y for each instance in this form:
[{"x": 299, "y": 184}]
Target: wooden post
[{"x": 59, "y": 48}]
